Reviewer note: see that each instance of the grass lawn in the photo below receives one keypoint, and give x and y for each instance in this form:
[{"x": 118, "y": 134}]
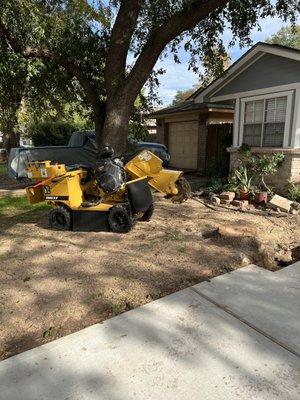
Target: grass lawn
[
  {"x": 3, "y": 169},
  {"x": 9, "y": 204}
]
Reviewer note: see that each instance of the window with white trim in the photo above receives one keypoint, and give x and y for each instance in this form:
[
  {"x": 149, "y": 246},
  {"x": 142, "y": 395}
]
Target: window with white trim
[{"x": 264, "y": 122}]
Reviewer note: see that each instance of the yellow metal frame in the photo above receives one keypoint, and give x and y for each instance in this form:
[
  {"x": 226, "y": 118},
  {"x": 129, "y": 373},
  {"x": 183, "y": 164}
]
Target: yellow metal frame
[
  {"x": 41, "y": 170},
  {"x": 56, "y": 185},
  {"x": 147, "y": 164}
]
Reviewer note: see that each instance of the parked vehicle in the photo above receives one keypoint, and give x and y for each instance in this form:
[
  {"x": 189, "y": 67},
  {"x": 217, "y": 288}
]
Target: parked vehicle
[
  {"x": 160, "y": 150},
  {"x": 81, "y": 149}
]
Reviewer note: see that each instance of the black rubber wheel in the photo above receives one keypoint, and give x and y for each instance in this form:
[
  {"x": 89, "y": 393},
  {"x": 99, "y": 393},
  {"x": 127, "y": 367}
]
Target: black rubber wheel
[
  {"x": 120, "y": 219},
  {"x": 147, "y": 214},
  {"x": 60, "y": 219}
]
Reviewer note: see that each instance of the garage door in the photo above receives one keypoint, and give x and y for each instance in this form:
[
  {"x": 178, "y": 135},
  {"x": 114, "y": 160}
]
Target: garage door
[{"x": 183, "y": 144}]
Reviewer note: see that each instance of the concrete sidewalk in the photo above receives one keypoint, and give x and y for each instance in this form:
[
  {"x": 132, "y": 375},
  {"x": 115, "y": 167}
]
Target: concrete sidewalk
[{"x": 220, "y": 340}]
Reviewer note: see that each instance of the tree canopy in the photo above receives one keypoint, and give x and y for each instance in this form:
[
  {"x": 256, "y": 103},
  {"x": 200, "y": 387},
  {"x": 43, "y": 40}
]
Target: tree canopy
[
  {"x": 111, "y": 47},
  {"x": 215, "y": 64},
  {"x": 287, "y": 36},
  {"x": 182, "y": 95},
  {"x": 14, "y": 71}
]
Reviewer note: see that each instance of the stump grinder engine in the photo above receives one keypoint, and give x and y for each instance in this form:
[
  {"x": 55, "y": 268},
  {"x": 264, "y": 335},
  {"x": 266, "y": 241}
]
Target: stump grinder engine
[{"x": 106, "y": 197}]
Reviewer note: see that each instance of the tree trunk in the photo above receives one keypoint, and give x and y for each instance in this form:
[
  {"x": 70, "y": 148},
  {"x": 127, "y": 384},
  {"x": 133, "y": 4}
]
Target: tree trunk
[
  {"x": 10, "y": 137},
  {"x": 99, "y": 118},
  {"x": 116, "y": 125}
]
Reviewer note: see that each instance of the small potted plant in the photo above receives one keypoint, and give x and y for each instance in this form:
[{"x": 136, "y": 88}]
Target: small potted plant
[
  {"x": 261, "y": 196},
  {"x": 242, "y": 181}
]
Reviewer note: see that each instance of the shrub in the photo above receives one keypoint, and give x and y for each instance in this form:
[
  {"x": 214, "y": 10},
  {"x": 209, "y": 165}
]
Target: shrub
[
  {"x": 294, "y": 192},
  {"x": 215, "y": 184},
  {"x": 137, "y": 131},
  {"x": 51, "y": 133},
  {"x": 254, "y": 168}
]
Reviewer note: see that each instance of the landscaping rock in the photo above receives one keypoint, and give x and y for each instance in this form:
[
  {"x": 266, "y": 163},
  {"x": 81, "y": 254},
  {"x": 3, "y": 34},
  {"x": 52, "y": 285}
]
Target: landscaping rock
[
  {"x": 294, "y": 211},
  {"x": 242, "y": 204},
  {"x": 216, "y": 200},
  {"x": 242, "y": 231},
  {"x": 227, "y": 196},
  {"x": 281, "y": 202},
  {"x": 296, "y": 205},
  {"x": 244, "y": 260},
  {"x": 198, "y": 193},
  {"x": 225, "y": 201}
]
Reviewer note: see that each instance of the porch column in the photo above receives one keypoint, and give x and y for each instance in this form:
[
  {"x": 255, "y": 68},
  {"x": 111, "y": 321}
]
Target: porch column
[
  {"x": 236, "y": 126},
  {"x": 295, "y": 140}
]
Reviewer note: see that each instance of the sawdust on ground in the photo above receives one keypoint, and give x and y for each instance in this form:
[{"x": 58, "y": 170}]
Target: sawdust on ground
[{"x": 55, "y": 283}]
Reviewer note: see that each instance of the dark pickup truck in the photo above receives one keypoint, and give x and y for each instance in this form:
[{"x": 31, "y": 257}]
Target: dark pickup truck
[{"x": 81, "y": 149}]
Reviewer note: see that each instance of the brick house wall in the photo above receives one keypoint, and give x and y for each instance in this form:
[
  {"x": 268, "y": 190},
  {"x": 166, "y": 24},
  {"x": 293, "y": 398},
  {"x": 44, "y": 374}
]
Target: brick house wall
[{"x": 288, "y": 172}]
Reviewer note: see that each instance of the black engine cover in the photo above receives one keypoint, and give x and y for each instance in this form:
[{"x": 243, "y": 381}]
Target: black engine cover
[{"x": 110, "y": 175}]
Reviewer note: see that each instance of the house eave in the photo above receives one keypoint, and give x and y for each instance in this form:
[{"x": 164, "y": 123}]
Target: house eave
[
  {"x": 198, "y": 110},
  {"x": 243, "y": 63},
  {"x": 256, "y": 92}
]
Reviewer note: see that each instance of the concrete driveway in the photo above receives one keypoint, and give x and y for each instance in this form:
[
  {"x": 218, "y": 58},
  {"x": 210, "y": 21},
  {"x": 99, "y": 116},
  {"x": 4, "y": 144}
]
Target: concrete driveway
[{"x": 236, "y": 337}]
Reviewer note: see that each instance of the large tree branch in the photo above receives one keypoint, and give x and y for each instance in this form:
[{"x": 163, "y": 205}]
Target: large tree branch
[
  {"x": 177, "y": 24},
  {"x": 12, "y": 41},
  {"x": 120, "y": 39},
  {"x": 46, "y": 55},
  {"x": 71, "y": 67}
]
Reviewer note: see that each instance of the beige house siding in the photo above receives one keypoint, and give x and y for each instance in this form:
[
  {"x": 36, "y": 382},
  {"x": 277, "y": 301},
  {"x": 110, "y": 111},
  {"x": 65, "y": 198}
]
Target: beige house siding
[
  {"x": 183, "y": 144},
  {"x": 160, "y": 132},
  {"x": 182, "y": 117}
]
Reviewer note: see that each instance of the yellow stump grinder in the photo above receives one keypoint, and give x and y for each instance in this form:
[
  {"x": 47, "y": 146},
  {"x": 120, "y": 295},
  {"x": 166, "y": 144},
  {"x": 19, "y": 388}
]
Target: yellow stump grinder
[{"x": 107, "y": 196}]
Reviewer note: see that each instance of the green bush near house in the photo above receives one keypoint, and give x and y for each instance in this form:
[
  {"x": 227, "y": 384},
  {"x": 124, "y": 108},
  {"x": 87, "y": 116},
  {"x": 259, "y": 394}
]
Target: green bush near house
[
  {"x": 252, "y": 170},
  {"x": 51, "y": 133}
]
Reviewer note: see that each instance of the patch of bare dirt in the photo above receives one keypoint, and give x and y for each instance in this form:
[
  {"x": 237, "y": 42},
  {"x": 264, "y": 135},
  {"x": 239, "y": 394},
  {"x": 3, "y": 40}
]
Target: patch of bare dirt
[
  {"x": 55, "y": 283},
  {"x": 9, "y": 187},
  {"x": 7, "y": 183}
]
